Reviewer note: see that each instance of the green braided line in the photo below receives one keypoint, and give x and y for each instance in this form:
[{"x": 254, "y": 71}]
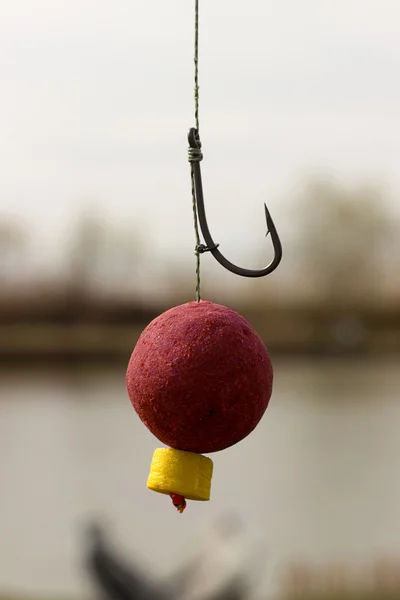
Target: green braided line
[{"x": 195, "y": 154}]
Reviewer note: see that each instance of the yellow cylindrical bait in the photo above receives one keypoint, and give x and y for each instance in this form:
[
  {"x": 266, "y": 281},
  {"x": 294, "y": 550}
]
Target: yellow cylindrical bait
[{"x": 184, "y": 473}]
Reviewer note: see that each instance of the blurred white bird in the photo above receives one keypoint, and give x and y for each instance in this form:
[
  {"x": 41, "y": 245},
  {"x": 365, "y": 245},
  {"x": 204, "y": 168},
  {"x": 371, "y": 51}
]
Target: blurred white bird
[{"x": 221, "y": 566}]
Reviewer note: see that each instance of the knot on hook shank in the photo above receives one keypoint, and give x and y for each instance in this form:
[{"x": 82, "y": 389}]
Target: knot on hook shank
[
  {"x": 201, "y": 248},
  {"x": 195, "y": 155}
]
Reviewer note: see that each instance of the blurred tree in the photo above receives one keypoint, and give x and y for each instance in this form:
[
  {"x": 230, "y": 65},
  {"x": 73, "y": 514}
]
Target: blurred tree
[
  {"x": 103, "y": 256},
  {"x": 341, "y": 242},
  {"x": 84, "y": 254},
  {"x": 13, "y": 250}
]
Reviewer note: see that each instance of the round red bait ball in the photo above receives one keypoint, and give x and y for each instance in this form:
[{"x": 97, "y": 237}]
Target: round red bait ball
[{"x": 200, "y": 377}]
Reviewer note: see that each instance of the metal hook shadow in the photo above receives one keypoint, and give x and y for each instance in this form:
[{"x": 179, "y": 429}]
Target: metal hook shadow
[{"x": 195, "y": 157}]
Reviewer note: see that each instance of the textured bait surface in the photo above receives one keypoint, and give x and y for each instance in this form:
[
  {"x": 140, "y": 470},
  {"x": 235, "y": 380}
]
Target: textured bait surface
[{"x": 200, "y": 377}]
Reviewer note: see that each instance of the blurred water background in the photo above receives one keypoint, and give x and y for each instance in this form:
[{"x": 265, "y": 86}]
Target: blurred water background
[{"x": 299, "y": 108}]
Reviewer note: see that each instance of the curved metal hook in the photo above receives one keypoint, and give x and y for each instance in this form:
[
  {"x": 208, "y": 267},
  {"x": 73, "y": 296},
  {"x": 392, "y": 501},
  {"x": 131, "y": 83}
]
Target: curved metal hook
[{"x": 195, "y": 157}]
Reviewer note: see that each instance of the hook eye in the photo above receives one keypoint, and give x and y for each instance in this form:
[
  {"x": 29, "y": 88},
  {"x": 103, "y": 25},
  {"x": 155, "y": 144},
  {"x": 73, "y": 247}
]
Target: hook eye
[{"x": 194, "y": 138}]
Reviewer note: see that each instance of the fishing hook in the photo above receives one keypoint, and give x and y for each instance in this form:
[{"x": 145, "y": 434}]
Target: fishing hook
[{"x": 195, "y": 157}]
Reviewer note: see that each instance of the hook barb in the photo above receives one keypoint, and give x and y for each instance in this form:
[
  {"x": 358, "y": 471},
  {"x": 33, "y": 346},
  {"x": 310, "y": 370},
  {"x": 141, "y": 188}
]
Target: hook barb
[{"x": 195, "y": 157}]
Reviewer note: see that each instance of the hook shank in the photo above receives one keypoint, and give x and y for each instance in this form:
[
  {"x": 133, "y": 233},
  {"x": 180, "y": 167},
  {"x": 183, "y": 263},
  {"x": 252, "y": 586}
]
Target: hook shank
[{"x": 195, "y": 157}]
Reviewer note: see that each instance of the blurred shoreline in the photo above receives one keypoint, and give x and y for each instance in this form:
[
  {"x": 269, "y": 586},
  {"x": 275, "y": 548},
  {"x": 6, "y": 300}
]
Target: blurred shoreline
[
  {"x": 55, "y": 328},
  {"x": 337, "y": 294}
]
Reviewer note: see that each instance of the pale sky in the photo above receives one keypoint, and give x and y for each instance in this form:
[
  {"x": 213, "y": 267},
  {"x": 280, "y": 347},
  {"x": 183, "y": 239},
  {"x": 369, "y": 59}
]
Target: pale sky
[{"x": 97, "y": 97}]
